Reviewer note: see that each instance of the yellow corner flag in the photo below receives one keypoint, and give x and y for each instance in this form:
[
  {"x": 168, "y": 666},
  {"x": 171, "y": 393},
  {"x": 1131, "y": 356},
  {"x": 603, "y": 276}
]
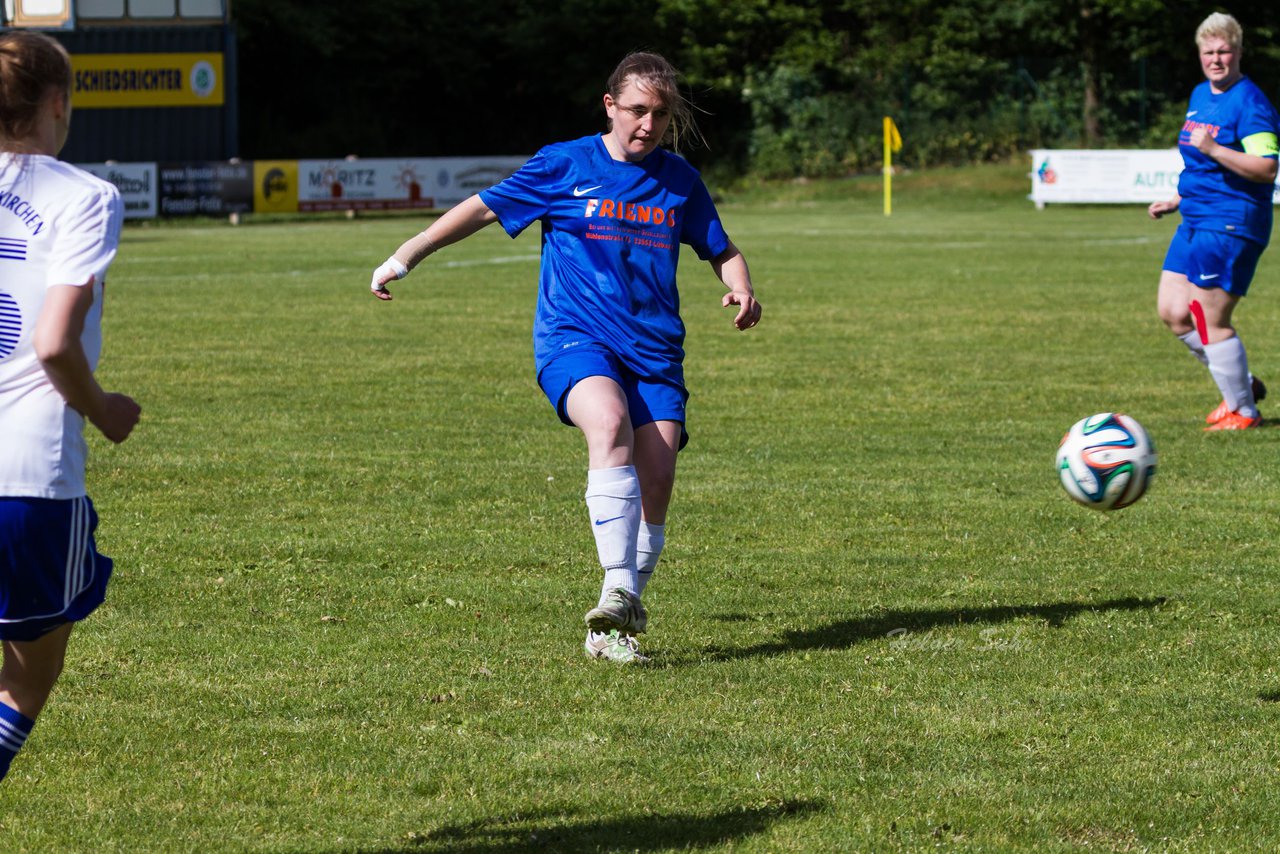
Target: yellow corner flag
[{"x": 892, "y": 143}]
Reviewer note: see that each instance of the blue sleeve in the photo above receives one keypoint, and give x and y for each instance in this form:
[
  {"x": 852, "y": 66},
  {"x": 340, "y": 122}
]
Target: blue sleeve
[
  {"x": 524, "y": 197},
  {"x": 1257, "y": 115},
  {"x": 702, "y": 228}
]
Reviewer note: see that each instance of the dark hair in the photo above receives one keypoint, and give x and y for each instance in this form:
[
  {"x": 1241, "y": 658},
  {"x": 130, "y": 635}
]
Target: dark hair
[
  {"x": 655, "y": 73},
  {"x": 31, "y": 64}
]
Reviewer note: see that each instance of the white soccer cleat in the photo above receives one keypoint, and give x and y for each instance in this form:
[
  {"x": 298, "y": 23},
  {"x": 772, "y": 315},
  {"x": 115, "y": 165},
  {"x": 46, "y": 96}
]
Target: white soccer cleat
[{"x": 614, "y": 646}]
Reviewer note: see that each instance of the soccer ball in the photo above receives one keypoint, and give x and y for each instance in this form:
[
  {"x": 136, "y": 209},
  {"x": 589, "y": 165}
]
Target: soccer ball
[{"x": 1106, "y": 461}]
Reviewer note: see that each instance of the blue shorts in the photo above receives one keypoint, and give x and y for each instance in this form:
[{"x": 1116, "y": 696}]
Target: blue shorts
[
  {"x": 648, "y": 399},
  {"x": 50, "y": 569},
  {"x": 1213, "y": 259}
]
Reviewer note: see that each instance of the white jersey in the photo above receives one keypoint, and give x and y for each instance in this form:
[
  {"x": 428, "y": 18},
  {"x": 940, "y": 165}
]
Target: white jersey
[{"x": 59, "y": 225}]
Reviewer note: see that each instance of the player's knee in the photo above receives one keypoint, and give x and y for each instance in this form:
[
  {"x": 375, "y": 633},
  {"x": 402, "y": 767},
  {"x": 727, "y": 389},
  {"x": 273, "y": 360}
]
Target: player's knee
[
  {"x": 1178, "y": 319},
  {"x": 609, "y": 424}
]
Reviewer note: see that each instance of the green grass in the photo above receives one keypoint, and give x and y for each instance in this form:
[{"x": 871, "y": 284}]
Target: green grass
[{"x": 352, "y": 557}]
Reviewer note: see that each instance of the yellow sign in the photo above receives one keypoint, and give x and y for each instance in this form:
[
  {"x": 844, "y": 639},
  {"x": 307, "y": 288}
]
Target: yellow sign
[
  {"x": 114, "y": 80},
  {"x": 275, "y": 186}
]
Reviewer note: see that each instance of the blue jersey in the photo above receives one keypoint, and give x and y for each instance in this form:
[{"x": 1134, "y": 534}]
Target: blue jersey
[
  {"x": 1213, "y": 197},
  {"x": 611, "y": 235}
]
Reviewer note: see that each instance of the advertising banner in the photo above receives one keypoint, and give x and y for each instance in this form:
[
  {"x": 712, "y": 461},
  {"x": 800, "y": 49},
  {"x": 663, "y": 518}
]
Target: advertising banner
[
  {"x": 1122, "y": 176},
  {"x": 135, "y": 181},
  {"x": 396, "y": 183},
  {"x": 206, "y": 189},
  {"x": 275, "y": 186},
  {"x": 117, "y": 80}
]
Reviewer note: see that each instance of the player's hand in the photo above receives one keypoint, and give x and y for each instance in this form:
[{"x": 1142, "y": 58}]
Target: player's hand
[
  {"x": 389, "y": 271},
  {"x": 748, "y": 308},
  {"x": 1158, "y": 209},
  {"x": 119, "y": 415},
  {"x": 1203, "y": 140}
]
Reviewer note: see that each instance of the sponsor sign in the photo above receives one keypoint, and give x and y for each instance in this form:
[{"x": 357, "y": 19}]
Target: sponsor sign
[
  {"x": 397, "y": 183},
  {"x": 118, "y": 80},
  {"x": 136, "y": 182},
  {"x": 205, "y": 189},
  {"x": 1099, "y": 176},
  {"x": 275, "y": 186}
]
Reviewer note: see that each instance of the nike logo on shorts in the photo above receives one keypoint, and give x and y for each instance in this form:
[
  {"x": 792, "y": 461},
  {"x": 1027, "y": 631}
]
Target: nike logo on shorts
[
  {"x": 1204, "y": 277},
  {"x": 577, "y": 192}
]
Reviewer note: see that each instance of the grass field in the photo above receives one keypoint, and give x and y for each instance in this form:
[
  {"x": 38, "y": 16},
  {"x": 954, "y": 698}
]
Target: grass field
[{"x": 352, "y": 557}]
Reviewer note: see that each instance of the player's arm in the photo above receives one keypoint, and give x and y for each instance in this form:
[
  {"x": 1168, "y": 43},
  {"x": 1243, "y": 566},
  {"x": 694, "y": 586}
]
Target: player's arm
[
  {"x": 57, "y": 346},
  {"x": 1167, "y": 206},
  {"x": 459, "y": 222},
  {"x": 1256, "y": 163},
  {"x": 731, "y": 269}
]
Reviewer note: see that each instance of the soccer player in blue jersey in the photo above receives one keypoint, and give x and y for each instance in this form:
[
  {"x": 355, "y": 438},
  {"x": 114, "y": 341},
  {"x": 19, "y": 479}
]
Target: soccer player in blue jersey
[
  {"x": 608, "y": 338},
  {"x": 59, "y": 229},
  {"x": 1229, "y": 150}
]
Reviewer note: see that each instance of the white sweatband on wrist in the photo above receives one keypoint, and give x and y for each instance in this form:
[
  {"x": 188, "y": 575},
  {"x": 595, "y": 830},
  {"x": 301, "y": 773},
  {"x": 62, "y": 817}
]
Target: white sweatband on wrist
[{"x": 393, "y": 266}]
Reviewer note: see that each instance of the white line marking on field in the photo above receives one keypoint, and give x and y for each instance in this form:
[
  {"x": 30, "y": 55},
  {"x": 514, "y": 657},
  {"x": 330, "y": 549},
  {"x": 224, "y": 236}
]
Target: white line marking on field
[
  {"x": 1121, "y": 241},
  {"x": 503, "y": 259}
]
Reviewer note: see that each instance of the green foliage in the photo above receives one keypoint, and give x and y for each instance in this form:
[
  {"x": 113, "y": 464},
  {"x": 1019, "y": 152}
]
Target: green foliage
[{"x": 789, "y": 88}]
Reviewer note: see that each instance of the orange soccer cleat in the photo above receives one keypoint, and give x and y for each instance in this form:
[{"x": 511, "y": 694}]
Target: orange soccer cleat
[
  {"x": 1259, "y": 394},
  {"x": 1235, "y": 421},
  {"x": 1218, "y": 414}
]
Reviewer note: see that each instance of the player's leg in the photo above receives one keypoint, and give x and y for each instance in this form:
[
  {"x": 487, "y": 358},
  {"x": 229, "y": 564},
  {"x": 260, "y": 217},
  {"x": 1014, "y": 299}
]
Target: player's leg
[
  {"x": 27, "y": 678},
  {"x": 1224, "y": 269},
  {"x": 657, "y": 444},
  {"x": 1228, "y": 362},
  {"x": 597, "y": 406},
  {"x": 1173, "y": 304}
]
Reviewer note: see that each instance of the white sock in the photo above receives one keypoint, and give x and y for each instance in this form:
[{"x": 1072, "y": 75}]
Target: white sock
[
  {"x": 1230, "y": 369},
  {"x": 1192, "y": 340},
  {"x": 648, "y": 549},
  {"x": 613, "y": 500}
]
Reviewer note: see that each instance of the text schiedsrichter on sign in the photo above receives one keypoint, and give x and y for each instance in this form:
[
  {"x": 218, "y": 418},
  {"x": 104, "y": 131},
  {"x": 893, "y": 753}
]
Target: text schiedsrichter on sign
[{"x": 119, "y": 80}]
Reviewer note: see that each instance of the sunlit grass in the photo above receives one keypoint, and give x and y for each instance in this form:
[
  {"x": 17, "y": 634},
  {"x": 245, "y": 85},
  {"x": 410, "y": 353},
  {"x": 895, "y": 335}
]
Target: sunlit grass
[{"x": 352, "y": 557}]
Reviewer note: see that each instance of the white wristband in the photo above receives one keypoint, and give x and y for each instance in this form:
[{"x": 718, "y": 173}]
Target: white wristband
[{"x": 393, "y": 266}]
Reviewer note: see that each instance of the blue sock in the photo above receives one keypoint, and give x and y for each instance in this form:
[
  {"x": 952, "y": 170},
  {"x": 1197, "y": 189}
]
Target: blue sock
[{"x": 14, "y": 729}]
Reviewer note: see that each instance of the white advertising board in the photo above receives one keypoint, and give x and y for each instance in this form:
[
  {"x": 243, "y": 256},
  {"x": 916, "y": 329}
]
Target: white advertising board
[
  {"x": 136, "y": 182},
  {"x": 1120, "y": 176},
  {"x": 397, "y": 183}
]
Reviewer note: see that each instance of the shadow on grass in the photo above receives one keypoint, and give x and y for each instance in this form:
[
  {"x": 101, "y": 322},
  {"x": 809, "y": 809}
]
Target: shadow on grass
[
  {"x": 847, "y": 633},
  {"x": 560, "y": 830}
]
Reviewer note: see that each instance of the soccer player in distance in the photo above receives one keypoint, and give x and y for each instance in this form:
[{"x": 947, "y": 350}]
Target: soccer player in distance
[
  {"x": 608, "y": 338},
  {"x": 59, "y": 228},
  {"x": 1229, "y": 150}
]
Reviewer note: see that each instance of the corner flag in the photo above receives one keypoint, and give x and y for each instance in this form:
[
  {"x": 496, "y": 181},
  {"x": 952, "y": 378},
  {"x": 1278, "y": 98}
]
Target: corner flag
[{"x": 892, "y": 143}]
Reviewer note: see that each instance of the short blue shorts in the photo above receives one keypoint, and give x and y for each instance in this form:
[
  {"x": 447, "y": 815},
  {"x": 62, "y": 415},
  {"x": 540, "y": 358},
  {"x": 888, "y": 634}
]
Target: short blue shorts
[
  {"x": 1213, "y": 259},
  {"x": 50, "y": 569},
  {"x": 648, "y": 399}
]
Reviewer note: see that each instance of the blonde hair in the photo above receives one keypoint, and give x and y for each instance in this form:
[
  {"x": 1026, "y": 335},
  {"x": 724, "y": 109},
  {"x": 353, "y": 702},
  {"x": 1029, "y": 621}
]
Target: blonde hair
[
  {"x": 655, "y": 73},
  {"x": 31, "y": 64},
  {"x": 1222, "y": 26}
]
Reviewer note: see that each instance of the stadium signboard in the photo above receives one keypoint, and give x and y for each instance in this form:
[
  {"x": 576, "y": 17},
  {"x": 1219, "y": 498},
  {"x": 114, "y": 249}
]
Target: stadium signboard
[
  {"x": 111, "y": 80},
  {"x": 137, "y": 185},
  {"x": 1116, "y": 176},
  {"x": 396, "y": 183},
  {"x": 222, "y": 188}
]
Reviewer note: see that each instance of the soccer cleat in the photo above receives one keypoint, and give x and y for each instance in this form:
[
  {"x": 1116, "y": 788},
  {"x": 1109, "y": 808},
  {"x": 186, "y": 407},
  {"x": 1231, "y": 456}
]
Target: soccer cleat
[
  {"x": 1259, "y": 389},
  {"x": 1235, "y": 421},
  {"x": 621, "y": 610},
  {"x": 614, "y": 646}
]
